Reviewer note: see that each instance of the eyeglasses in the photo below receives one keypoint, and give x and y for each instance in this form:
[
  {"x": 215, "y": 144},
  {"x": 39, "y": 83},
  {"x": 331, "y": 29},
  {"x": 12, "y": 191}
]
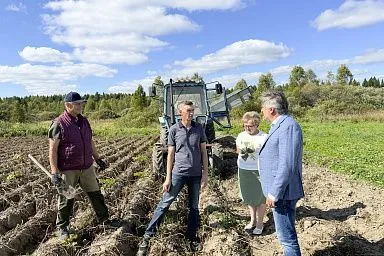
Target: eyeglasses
[{"x": 249, "y": 126}]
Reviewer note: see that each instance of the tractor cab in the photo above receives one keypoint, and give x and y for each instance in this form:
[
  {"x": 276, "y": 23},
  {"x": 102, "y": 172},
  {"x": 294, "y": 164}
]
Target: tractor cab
[{"x": 211, "y": 106}]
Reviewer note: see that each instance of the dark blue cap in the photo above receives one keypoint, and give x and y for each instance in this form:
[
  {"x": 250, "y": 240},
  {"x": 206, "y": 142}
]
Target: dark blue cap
[{"x": 73, "y": 97}]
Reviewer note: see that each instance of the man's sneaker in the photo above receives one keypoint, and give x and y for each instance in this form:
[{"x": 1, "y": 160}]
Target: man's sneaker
[
  {"x": 195, "y": 245},
  {"x": 62, "y": 233},
  {"x": 143, "y": 247}
]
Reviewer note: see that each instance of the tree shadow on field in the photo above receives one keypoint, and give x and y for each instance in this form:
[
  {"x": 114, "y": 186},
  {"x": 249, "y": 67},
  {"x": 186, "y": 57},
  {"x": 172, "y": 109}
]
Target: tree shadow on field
[
  {"x": 333, "y": 214},
  {"x": 352, "y": 245}
]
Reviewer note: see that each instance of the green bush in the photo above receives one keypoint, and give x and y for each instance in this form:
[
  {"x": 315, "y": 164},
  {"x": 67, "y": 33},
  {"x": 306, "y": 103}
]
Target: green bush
[
  {"x": 103, "y": 114},
  {"x": 45, "y": 116},
  {"x": 324, "y": 101},
  {"x": 251, "y": 105},
  {"x": 8, "y": 129},
  {"x": 138, "y": 119},
  {"x": 346, "y": 100}
]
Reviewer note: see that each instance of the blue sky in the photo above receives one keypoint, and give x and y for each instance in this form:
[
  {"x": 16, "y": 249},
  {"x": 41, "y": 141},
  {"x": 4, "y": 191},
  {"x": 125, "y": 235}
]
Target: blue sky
[{"x": 52, "y": 47}]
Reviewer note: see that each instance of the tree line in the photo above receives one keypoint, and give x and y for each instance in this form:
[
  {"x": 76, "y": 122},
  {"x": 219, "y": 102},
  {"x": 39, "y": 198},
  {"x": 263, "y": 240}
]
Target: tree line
[
  {"x": 300, "y": 77},
  {"x": 43, "y": 108},
  {"x": 138, "y": 106}
]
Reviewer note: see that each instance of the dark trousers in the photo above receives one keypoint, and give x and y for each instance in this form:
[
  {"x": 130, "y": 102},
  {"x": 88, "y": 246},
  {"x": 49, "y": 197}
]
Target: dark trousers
[
  {"x": 66, "y": 208},
  {"x": 178, "y": 182}
]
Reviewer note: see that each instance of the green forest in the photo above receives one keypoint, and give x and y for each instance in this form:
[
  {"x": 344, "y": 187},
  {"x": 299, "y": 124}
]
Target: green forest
[{"x": 339, "y": 94}]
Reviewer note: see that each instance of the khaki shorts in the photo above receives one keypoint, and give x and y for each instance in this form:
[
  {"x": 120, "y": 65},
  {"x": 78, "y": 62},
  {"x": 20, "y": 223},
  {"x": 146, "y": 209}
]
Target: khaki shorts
[{"x": 86, "y": 178}]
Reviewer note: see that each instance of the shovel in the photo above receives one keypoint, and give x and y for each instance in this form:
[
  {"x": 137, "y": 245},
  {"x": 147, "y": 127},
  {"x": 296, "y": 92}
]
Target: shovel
[{"x": 63, "y": 188}]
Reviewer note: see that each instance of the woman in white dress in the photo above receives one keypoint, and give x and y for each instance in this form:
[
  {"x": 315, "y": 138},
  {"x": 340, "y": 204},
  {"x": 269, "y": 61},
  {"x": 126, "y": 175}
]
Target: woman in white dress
[{"x": 248, "y": 144}]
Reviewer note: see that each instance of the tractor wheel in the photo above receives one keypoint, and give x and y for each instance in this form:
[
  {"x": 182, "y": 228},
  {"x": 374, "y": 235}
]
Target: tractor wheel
[
  {"x": 210, "y": 130},
  {"x": 158, "y": 163},
  {"x": 164, "y": 136},
  {"x": 217, "y": 160}
]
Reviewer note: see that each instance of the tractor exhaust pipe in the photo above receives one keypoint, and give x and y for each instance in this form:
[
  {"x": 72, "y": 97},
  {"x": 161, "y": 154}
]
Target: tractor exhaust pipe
[{"x": 173, "y": 121}]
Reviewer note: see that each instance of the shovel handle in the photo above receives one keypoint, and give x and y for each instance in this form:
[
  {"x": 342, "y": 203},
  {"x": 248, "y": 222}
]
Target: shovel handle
[{"x": 38, "y": 164}]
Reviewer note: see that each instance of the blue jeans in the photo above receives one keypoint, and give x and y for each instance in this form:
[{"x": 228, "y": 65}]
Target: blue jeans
[
  {"x": 178, "y": 182},
  {"x": 284, "y": 216}
]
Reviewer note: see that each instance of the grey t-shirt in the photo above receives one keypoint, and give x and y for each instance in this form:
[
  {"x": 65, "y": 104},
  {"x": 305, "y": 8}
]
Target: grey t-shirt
[
  {"x": 54, "y": 131},
  {"x": 187, "y": 142}
]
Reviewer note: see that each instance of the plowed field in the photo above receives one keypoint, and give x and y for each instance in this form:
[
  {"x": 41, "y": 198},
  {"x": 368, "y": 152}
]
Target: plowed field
[{"x": 338, "y": 216}]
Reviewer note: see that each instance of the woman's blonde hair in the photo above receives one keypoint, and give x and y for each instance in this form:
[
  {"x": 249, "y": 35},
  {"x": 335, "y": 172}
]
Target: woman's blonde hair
[{"x": 253, "y": 116}]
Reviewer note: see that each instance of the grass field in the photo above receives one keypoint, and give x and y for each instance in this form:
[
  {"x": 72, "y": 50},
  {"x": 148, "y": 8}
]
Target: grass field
[
  {"x": 355, "y": 148},
  {"x": 352, "y": 147},
  {"x": 105, "y": 128}
]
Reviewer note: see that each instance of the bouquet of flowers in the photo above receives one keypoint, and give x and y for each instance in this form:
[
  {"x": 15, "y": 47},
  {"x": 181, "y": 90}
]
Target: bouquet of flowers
[{"x": 246, "y": 152}]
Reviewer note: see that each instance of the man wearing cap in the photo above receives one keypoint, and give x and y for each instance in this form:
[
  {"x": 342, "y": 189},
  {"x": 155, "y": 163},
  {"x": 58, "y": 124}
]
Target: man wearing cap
[{"x": 71, "y": 155}]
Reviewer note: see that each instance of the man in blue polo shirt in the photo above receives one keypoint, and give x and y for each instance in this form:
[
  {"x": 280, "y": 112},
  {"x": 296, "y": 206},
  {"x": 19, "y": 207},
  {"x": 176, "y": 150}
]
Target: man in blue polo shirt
[{"x": 187, "y": 163}]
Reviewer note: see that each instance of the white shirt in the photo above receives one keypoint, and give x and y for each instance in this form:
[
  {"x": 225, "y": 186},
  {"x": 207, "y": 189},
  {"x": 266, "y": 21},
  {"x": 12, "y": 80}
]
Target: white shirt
[
  {"x": 249, "y": 146},
  {"x": 275, "y": 121}
]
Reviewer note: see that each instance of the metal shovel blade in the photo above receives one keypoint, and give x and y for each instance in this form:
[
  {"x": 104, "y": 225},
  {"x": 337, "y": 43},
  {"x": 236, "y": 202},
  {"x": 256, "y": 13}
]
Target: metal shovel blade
[
  {"x": 68, "y": 191},
  {"x": 64, "y": 189}
]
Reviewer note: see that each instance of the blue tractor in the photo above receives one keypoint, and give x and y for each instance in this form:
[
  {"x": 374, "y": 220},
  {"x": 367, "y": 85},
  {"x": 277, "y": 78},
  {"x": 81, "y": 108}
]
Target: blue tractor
[{"x": 212, "y": 106}]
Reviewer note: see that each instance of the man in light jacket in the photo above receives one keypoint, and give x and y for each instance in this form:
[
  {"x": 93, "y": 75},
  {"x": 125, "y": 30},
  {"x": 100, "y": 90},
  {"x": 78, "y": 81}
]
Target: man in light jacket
[{"x": 280, "y": 163}]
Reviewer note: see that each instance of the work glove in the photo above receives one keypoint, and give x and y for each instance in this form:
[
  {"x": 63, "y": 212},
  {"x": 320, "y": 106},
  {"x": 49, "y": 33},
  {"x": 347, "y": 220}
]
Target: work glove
[
  {"x": 56, "y": 179},
  {"x": 102, "y": 164}
]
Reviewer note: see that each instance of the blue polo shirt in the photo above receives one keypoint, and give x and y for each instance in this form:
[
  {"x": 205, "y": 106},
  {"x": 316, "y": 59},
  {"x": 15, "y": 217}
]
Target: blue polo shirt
[{"x": 188, "y": 160}]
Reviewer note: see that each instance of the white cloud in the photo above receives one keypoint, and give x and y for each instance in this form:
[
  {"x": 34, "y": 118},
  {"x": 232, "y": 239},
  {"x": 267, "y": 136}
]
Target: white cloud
[
  {"x": 17, "y": 8},
  {"x": 205, "y": 5},
  {"x": 359, "y": 72},
  {"x": 371, "y": 56},
  {"x": 249, "y": 52},
  {"x": 228, "y": 81},
  {"x": 281, "y": 70},
  {"x": 120, "y": 31},
  {"x": 325, "y": 64},
  {"x": 233, "y": 56},
  {"x": 130, "y": 87},
  {"x": 48, "y": 80},
  {"x": 351, "y": 14},
  {"x": 43, "y": 54},
  {"x": 95, "y": 53}
]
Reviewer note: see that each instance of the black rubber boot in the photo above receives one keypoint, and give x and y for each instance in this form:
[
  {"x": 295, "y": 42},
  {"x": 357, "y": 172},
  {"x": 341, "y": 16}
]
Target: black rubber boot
[
  {"x": 98, "y": 204},
  {"x": 65, "y": 211}
]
